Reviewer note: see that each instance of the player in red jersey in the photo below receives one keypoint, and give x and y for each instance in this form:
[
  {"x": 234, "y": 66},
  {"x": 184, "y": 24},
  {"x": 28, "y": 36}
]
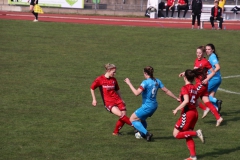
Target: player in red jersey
[
  {"x": 202, "y": 84},
  {"x": 111, "y": 96},
  {"x": 184, "y": 127}
]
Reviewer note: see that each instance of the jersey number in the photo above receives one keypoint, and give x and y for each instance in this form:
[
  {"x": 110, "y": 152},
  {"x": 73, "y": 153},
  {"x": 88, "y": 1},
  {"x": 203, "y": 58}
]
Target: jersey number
[
  {"x": 154, "y": 91},
  {"x": 193, "y": 101}
]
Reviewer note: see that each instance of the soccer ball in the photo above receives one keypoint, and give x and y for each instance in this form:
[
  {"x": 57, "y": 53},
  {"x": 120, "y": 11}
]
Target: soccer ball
[
  {"x": 153, "y": 9},
  {"x": 138, "y": 135}
]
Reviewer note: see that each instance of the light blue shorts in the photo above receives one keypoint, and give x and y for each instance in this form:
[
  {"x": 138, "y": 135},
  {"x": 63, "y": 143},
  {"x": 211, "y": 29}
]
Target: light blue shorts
[
  {"x": 145, "y": 111},
  {"x": 213, "y": 84}
]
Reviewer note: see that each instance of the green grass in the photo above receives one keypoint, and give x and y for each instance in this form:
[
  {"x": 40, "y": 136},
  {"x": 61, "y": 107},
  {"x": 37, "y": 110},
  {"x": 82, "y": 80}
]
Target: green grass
[{"x": 46, "y": 71}]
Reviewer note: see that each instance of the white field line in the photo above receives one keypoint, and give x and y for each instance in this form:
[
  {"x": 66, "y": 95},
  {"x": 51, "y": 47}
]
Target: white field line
[
  {"x": 231, "y": 76},
  {"x": 227, "y": 91},
  {"x": 110, "y": 19}
]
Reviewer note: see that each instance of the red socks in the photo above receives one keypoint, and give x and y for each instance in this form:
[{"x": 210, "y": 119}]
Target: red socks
[
  {"x": 186, "y": 134},
  {"x": 202, "y": 106},
  {"x": 118, "y": 126},
  {"x": 191, "y": 146},
  {"x": 124, "y": 119},
  {"x": 190, "y": 143},
  {"x": 213, "y": 110}
]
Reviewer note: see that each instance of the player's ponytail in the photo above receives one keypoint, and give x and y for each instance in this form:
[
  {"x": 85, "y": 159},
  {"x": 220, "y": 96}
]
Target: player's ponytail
[
  {"x": 192, "y": 74},
  {"x": 149, "y": 71}
]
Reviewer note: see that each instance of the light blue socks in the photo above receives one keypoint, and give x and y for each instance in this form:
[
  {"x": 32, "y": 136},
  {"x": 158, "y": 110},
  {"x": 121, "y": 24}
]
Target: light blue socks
[
  {"x": 213, "y": 100},
  {"x": 140, "y": 127}
]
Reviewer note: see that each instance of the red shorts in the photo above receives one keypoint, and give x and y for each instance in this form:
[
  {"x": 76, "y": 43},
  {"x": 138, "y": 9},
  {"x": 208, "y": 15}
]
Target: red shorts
[
  {"x": 119, "y": 103},
  {"x": 187, "y": 120},
  {"x": 202, "y": 90}
]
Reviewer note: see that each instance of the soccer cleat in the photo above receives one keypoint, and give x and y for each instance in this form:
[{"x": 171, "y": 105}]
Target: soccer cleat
[
  {"x": 200, "y": 135},
  {"x": 35, "y": 20},
  {"x": 143, "y": 135},
  {"x": 219, "y": 104},
  {"x": 116, "y": 134},
  {"x": 205, "y": 112},
  {"x": 213, "y": 28},
  {"x": 149, "y": 136},
  {"x": 191, "y": 158},
  {"x": 219, "y": 121}
]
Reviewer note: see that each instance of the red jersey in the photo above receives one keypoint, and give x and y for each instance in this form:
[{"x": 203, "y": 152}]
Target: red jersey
[
  {"x": 182, "y": 2},
  {"x": 170, "y": 2},
  {"x": 215, "y": 11},
  {"x": 191, "y": 91},
  {"x": 203, "y": 63},
  {"x": 107, "y": 87}
]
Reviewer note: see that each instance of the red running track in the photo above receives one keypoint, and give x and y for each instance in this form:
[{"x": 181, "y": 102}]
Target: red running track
[{"x": 110, "y": 20}]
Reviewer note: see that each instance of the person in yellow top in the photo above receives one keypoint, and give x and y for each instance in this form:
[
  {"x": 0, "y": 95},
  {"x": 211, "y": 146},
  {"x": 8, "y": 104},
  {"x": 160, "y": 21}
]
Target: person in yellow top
[{"x": 221, "y": 4}]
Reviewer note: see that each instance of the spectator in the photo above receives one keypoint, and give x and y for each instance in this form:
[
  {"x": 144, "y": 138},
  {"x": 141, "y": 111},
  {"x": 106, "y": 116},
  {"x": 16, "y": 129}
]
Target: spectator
[
  {"x": 31, "y": 8},
  {"x": 221, "y": 4},
  {"x": 170, "y": 6},
  {"x": 161, "y": 6},
  {"x": 196, "y": 12},
  {"x": 216, "y": 14},
  {"x": 182, "y": 5}
]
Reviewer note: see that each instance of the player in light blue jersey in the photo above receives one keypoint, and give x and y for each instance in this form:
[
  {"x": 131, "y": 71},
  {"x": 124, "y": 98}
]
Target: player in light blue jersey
[
  {"x": 148, "y": 89},
  {"x": 216, "y": 80}
]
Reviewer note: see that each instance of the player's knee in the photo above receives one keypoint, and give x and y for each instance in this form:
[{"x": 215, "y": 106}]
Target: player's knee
[
  {"x": 133, "y": 118},
  {"x": 122, "y": 114},
  {"x": 174, "y": 135},
  {"x": 175, "y": 132}
]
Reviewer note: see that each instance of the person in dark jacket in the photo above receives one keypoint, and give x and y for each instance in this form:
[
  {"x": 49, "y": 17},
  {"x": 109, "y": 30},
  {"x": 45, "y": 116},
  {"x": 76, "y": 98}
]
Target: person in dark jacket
[
  {"x": 216, "y": 14},
  {"x": 196, "y": 12}
]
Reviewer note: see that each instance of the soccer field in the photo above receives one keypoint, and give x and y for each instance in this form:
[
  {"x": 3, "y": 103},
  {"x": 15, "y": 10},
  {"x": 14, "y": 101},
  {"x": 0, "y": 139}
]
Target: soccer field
[{"x": 46, "y": 73}]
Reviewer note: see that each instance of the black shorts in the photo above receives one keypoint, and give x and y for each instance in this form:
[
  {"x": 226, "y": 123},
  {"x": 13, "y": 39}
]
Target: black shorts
[{"x": 32, "y": 2}]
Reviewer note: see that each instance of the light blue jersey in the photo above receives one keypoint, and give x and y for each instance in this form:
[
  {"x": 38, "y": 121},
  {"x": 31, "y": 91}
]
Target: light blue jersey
[
  {"x": 213, "y": 61},
  {"x": 149, "y": 93},
  {"x": 215, "y": 81},
  {"x": 149, "y": 103}
]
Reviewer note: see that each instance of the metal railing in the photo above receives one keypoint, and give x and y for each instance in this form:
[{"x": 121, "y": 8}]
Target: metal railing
[{"x": 136, "y": 7}]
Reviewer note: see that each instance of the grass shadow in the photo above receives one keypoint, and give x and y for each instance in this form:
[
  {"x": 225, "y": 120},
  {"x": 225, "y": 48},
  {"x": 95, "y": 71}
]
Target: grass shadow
[{"x": 219, "y": 152}]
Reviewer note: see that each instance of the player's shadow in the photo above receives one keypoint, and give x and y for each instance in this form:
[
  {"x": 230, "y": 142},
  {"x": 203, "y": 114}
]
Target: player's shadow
[
  {"x": 157, "y": 135},
  {"x": 226, "y": 118},
  {"x": 151, "y": 131},
  {"x": 162, "y": 137},
  {"x": 218, "y": 152},
  {"x": 231, "y": 114}
]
